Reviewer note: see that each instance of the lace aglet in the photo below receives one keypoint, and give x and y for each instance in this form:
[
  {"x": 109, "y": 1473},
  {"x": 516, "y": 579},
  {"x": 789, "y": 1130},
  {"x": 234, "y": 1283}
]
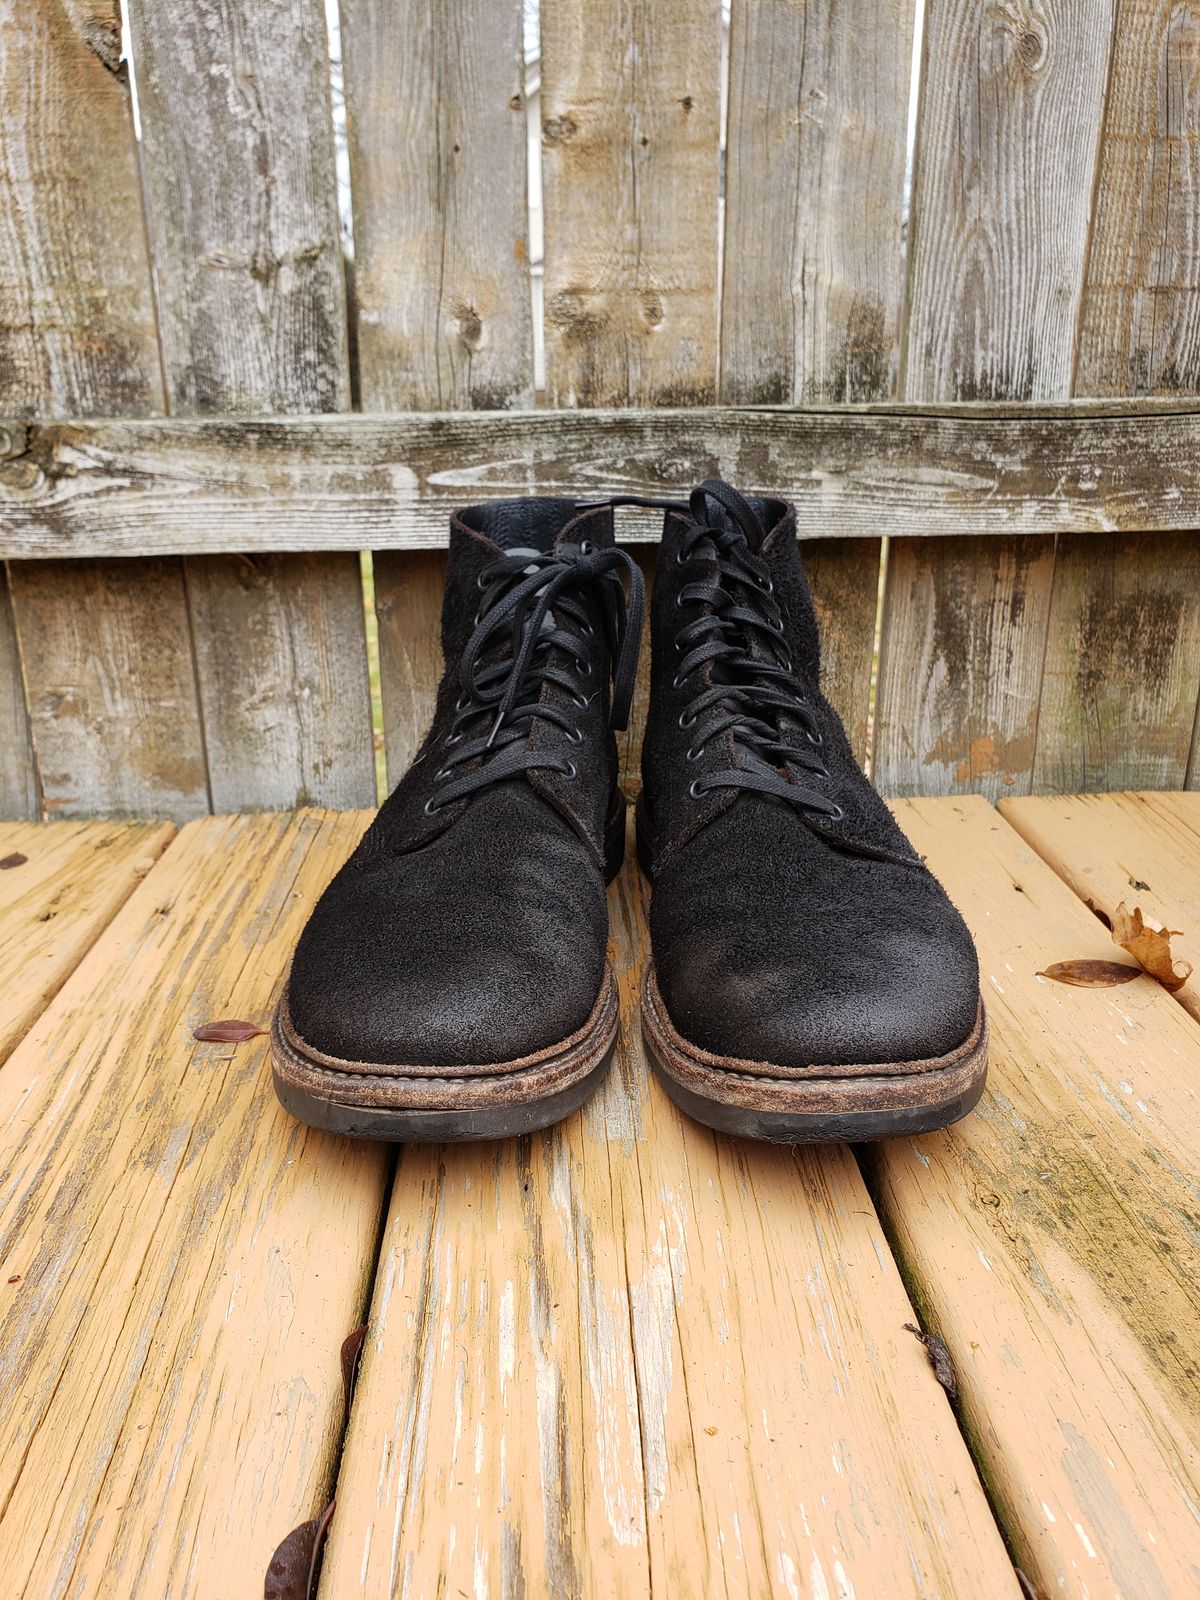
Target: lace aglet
[{"x": 495, "y": 729}]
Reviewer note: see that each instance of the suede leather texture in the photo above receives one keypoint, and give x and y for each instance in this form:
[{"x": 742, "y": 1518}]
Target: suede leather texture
[
  {"x": 775, "y": 937},
  {"x": 477, "y": 935}
]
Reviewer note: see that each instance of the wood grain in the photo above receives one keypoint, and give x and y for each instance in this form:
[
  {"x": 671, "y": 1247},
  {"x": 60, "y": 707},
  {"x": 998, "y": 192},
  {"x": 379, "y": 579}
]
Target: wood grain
[
  {"x": 76, "y": 313},
  {"x": 813, "y": 260},
  {"x": 960, "y": 666},
  {"x": 112, "y": 691},
  {"x": 18, "y": 781},
  {"x": 241, "y": 203},
  {"x": 188, "y": 1259},
  {"x": 1143, "y": 849},
  {"x": 436, "y": 120},
  {"x": 408, "y": 604},
  {"x": 1011, "y": 109},
  {"x": 626, "y": 1357},
  {"x": 1012, "y": 101},
  {"x": 844, "y": 577},
  {"x": 126, "y": 487},
  {"x": 282, "y": 669},
  {"x": 631, "y": 110},
  {"x": 56, "y": 903},
  {"x": 1140, "y": 322},
  {"x": 1048, "y": 1237},
  {"x": 1122, "y": 670}
]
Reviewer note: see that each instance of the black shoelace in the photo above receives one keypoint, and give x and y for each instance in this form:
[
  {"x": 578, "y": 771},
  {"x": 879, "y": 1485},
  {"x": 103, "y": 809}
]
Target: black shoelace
[
  {"x": 530, "y": 617},
  {"x": 738, "y": 632}
]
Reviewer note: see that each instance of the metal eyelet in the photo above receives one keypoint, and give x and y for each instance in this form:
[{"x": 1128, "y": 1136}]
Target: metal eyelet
[
  {"x": 824, "y": 772},
  {"x": 694, "y": 753},
  {"x": 584, "y": 668},
  {"x": 430, "y": 809},
  {"x": 570, "y": 771},
  {"x": 575, "y": 736},
  {"x": 680, "y": 601},
  {"x": 678, "y": 681},
  {"x": 453, "y": 738},
  {"x": 775, "y": 626},
  {"x": 696, "y": 789},
  {"x": 836, "y": 814},
  {"x": 586, "y": 629},
  {"x": 481, "y": 583},
  {"x": 478, "y": 618},
  {"x": 585, "y": 547},
  {"x": 815, "y": 738},
  {"x": 443, "y": 772},
  {"x": 680, "y": 559},
  {"x": 765, "y": 588},
  {"x": 581, "y": 700},
  {"x": 685, "y": 721}
]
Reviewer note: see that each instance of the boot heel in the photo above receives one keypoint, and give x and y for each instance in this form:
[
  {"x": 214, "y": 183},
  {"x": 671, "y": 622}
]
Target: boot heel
[{"x": 614, "y": 839}]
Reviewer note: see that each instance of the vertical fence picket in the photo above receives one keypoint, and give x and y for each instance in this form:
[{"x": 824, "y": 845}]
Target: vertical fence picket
[
  {"x": 1012, "y": 103},
  {"x": 241, "y": 203},
  {"x": 818, "y": 113},
  {"x": 435, "y": 112},
  {"x": 18, "y": 788},
  {"x": 1123, "y": 658},
  {"x": 631, "y": 110},
  {"x": 114, "y": 724},
  {"x": 631, "y": 127}
]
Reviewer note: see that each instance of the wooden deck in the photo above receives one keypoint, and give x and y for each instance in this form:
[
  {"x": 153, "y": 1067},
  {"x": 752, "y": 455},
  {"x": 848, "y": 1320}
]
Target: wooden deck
[{"x": 626, "y": 1357}]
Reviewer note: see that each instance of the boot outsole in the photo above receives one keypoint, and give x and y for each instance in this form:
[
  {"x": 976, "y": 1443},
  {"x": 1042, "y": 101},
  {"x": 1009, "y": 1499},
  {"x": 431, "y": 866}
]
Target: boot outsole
[
  {"x": 813, "y": 1105},
  {"x": 372, "y": 1100}
]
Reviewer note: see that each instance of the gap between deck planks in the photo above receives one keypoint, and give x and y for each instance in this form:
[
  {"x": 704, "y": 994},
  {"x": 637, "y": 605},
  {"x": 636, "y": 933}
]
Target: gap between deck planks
[
  {"x": 1143, "y": 849},
  {"x": 179, "y": 1261},
  {"x": 56, "y": 902},
  {"x": 575, "y": 1381},
  {"x": 1050, "y": 1237},
  {"x": 1040, "y": 1237}
]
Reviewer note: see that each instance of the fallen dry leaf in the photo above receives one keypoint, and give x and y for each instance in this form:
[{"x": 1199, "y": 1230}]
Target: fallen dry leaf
[
  {"x": 940, "y": 1360},
  {"x": 14, "y": 860},
  {"x": 292, "y": 1573},
  {"x": 1091, "y": 974},
  {"x": 228, "y": 1031},
  {"x": 1150, "y": 946},
  {"x": 352, "y": 1346}
]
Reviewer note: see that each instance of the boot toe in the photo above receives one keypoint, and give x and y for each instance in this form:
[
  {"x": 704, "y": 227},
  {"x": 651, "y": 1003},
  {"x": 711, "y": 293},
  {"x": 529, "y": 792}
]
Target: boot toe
[{"x": 402, "y": 965}]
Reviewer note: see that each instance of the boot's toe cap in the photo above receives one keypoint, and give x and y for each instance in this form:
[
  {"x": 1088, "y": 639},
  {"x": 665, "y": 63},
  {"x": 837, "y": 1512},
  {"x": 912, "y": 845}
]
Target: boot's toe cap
[
  {"x": 899, "y": 999},
  {"x": 381, "y": 976}
]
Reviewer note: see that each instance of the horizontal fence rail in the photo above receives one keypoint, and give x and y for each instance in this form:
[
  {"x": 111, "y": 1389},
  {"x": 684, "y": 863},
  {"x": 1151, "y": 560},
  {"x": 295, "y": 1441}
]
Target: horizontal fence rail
[{"x": 119, "y": 487}]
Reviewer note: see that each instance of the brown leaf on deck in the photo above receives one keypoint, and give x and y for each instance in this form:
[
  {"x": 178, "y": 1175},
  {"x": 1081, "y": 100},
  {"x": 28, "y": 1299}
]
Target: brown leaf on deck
[
  {"x": 227, "y": 1031},
  {"x": 1150, "y": 946},
  {"x": 293, "y": 1569},
  {"x": 940, "y": 1359},
  {"x": 1091, "y": 974},
  {"x": 16, "y": 859},
  {"x": 352, "y": 1346}
]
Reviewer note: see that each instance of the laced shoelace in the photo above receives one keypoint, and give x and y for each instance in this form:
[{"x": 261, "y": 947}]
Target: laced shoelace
[
  {"x": 738, "y": 631},
  {"x": 529, "y": 618}
]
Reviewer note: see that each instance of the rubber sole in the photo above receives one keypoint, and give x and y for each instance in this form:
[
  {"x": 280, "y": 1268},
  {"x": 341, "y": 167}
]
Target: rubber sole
[
  {"x": 373, "y": 1100},
  {"x": 495, "y": 1100},
  {"x": 813, "y": 1105},
  {"x": 808, "y": 1105}
]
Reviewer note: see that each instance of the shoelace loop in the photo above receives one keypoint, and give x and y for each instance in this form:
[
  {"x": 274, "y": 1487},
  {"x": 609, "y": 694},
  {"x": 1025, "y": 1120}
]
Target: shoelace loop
[
  {"x": 531, "y": 609},
  {"x": 738, "y": 632}
]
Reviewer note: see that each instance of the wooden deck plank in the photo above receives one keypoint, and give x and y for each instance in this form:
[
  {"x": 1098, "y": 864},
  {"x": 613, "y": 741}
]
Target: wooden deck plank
[
  {"x": 1140, "y": 848},
  {"x": 628, "y": 1356},
  {"x": 191, "y": 484},
  {"x": 1050, "y": 1236},
  {"x": 54, "y": 904},
  {"x": 182, "y": 1260}
]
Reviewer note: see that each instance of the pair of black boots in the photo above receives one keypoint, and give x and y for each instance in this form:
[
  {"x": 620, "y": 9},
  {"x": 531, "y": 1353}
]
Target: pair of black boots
[{"x": 810, "y": 979}]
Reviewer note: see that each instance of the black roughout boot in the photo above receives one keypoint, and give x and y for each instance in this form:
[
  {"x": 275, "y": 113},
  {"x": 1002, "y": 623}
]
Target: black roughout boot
[
  {"x": 452, "y": 982},
  {"x": 810, "y": 978}
]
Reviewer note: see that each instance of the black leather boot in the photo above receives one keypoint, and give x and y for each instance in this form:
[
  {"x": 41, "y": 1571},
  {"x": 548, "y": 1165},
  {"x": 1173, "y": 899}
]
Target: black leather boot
[
  {"x": 452, "y": 981},
  {"x": 810, "y": 978}
]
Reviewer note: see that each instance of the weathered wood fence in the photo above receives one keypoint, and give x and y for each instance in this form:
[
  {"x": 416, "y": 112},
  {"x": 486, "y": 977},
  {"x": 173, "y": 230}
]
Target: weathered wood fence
[{"x": 181, "y": 624}]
